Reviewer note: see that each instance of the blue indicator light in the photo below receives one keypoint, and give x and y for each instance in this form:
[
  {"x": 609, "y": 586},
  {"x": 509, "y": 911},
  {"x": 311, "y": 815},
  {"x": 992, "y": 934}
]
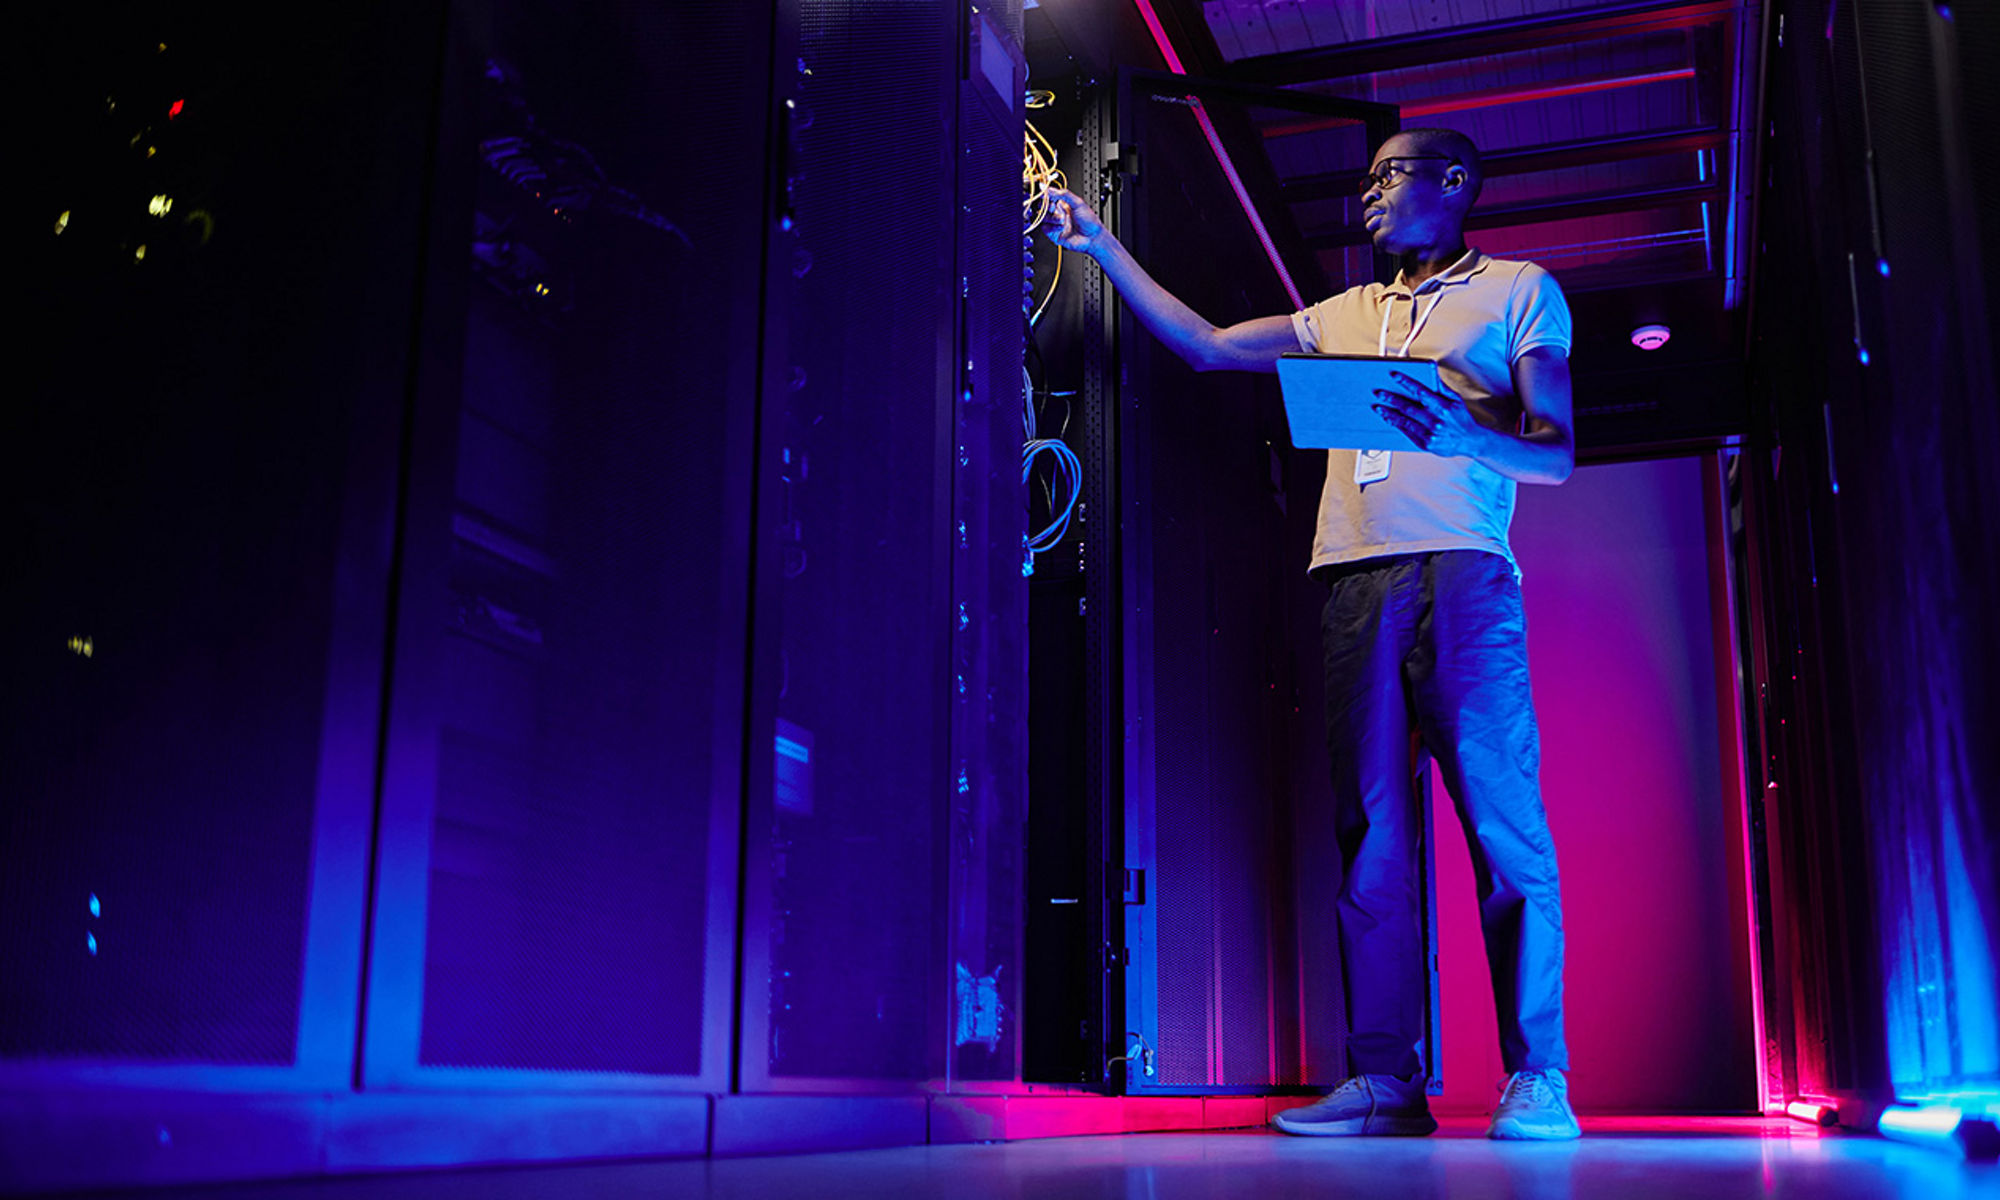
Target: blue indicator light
[
  {"x": 1882, "y": 265},
  {"x": 90, "y": 941},
  {"x": 1864, "y": 356},
  {"x": 96, "y": 910},
  {"x": 792, "y": 769}
]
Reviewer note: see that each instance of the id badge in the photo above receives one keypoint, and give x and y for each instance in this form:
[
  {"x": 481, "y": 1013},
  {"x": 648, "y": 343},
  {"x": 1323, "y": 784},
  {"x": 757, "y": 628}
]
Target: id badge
[{"x": 1370, "y": 466}]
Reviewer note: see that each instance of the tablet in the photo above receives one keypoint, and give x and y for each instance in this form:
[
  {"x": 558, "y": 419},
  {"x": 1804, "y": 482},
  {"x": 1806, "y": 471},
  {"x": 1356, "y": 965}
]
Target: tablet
[{"x": 1328, "y": 399}]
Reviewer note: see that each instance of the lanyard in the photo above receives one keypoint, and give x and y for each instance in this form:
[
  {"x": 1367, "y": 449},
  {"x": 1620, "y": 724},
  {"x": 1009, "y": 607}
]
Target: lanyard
[
  {"x": 1417, "y": 318},
  {"x": 1416, "y": 323}
]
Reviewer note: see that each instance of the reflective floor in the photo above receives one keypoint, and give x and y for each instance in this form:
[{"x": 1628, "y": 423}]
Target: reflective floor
[{"x": 1629, "y": 1158}]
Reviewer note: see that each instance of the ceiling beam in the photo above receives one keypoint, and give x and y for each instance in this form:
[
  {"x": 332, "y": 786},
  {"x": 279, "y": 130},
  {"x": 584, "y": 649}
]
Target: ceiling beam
[
  {"x": 1495, "y": 97},
  {"x": 1559, "y": 208},
  {"x": 1554, "y": 156},
  {"x": 1476, "y": 41}
]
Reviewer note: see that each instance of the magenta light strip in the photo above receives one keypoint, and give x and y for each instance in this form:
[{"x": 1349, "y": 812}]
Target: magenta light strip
[{"x": 1153, "y": 26}]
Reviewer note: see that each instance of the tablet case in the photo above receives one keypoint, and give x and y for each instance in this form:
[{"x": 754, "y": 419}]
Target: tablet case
[{"x": 1328, "y": 399}]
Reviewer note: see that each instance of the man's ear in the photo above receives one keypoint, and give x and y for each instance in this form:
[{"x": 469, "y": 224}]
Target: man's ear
[{"x": 1456, "y": 177}]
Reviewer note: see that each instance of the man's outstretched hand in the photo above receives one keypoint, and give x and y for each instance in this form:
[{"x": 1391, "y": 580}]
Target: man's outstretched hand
[
  {"x": 1072, "y": 225},
  {"x": 1436, "y": 420}
]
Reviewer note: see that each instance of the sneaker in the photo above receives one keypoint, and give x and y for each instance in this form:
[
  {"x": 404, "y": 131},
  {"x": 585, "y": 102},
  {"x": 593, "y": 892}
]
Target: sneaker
[
  {"x": 1534, "y": 1106},
  {"x": 1373, "y": 1105}
]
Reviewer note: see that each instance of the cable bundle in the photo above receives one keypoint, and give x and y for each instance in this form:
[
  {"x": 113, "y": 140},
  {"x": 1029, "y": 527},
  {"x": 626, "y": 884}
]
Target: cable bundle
[
  {"x": 1039, "y": 171},
  {"x": 1040, "y": 174},
  {"x": 1071, "y": 471}
]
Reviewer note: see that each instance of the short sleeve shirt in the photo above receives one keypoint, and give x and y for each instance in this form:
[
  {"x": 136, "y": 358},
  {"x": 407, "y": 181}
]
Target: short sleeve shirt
[{"x": 1476, "y": 319}]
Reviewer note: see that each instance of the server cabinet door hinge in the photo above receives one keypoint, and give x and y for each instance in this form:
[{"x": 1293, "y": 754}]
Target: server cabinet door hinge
[{"x": 1123, "y": 160}]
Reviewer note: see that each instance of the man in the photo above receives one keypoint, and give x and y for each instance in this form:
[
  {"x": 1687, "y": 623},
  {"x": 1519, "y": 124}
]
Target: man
[{"x": 1422, "y": 626}]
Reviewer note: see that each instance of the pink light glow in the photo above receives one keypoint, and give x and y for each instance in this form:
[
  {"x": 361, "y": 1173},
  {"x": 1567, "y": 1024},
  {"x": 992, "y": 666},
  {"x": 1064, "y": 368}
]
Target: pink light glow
[
  {"x": 1153, "y": 26},
  {"x": 1622, "y": 625},
  {"x": 1463, "y": 101}
]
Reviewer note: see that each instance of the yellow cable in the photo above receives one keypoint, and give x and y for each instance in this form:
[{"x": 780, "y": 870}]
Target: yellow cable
[
  {"x": 1052, "y": 288},
  {"x": 1040, "y": 175}
]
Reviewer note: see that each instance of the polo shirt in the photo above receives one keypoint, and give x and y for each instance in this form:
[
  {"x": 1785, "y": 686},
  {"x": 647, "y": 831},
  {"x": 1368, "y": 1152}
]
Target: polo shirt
[{"x": 1479, "y": 317}]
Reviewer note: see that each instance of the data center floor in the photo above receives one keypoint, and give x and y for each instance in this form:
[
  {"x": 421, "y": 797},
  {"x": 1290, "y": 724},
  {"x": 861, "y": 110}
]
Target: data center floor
[{"x": 1633, "y": 1158}]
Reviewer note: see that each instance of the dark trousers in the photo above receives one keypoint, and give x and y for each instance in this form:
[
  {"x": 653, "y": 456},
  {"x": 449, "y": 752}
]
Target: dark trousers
[{"x": 1436, "y": 643}]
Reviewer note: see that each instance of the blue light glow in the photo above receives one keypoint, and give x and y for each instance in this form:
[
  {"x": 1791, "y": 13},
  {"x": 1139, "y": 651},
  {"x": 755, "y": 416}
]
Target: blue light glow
[
  {"x": 90, "y": 941},
  {"x": 1732, "y": 286},
  {"x": 1882, "y": 265},
  {"x": 1932, "y": 1121},
  {"x": 1707, "y": 235},
  {"x": 96, "y": 910},
  {"x": 793, "y": 775}
]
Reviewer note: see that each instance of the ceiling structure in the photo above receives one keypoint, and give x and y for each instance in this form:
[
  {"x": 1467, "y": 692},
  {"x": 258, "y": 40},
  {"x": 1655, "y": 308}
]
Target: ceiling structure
[{"x": 1618, "y": 140}]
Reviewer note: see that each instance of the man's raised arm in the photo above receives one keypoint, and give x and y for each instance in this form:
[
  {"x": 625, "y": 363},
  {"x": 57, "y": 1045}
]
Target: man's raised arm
[{"x": 1246, "y": 346}]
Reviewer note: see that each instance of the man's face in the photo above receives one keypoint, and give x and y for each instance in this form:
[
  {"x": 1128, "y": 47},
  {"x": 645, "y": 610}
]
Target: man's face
[{"x": 1410, "y": 211}]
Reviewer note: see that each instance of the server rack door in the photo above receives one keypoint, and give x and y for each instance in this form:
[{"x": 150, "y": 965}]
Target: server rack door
[
  {"x": 1234, "y": 982},
  {"x": 555, "y": 904},
  {"x": 201, "y": 446},
  {"x": 989, "y": 663},
  {"x": 844, "y": 962}
]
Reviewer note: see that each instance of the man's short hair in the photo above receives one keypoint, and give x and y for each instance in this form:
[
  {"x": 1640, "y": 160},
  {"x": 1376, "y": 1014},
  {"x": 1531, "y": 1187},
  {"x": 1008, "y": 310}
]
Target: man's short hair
[{"x": 1456, "y": 145}]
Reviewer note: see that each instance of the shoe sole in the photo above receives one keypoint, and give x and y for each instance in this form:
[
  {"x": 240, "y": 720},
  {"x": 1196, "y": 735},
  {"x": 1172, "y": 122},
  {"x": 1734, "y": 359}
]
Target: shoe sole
[
  {"x": 1516, "y": 1131},
  {"x": 1358, "y": 1127}
]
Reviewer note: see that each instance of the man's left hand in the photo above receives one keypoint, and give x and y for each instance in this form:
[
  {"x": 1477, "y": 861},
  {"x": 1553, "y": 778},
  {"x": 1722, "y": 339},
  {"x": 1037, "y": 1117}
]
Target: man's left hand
[{"x": 1437, "y": 421}]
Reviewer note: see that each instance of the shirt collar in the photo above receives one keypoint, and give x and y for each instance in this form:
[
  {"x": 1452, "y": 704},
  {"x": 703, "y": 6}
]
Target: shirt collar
[{"x": 1461, "y": 271}]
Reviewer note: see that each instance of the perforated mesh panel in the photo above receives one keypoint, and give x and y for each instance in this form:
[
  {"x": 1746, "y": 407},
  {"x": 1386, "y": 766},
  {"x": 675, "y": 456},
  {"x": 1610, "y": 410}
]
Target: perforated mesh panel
[
  {"x": 989, "y": 646},
  {"x": 863, "y": 608},
  {"x": 172, "y": 531},
  {"x": 1233, "y": 631},
  {"x": 582, "y": 634}
]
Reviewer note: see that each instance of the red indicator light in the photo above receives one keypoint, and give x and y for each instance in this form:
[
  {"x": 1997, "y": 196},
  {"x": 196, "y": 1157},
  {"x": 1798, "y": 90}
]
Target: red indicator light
[{"x": 175, "y": 111}]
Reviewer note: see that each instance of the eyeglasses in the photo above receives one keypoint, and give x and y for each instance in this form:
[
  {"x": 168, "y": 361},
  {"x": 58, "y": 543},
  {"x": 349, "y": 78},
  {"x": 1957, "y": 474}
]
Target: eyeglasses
[{"x": 1390, "y": 174}]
